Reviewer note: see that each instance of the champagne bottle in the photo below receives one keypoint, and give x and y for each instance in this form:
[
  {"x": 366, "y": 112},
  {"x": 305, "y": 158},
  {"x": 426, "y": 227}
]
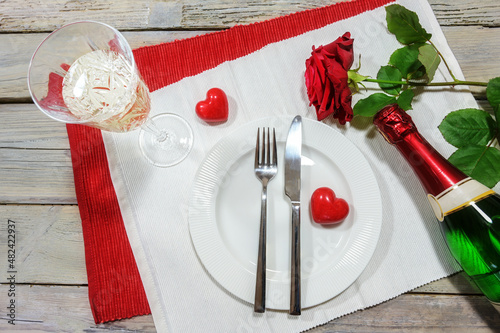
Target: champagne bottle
[{"x": 468, "y": 212}]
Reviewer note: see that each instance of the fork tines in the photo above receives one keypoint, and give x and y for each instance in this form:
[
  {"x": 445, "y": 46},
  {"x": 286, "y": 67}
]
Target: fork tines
[{"x": 263, "y": 152}]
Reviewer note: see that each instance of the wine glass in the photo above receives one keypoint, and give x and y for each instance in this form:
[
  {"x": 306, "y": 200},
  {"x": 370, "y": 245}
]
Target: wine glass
[{"x": 85, "y": 73}]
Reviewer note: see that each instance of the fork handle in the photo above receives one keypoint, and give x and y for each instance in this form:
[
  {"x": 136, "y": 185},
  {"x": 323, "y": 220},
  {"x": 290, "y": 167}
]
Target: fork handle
[
  {"x": 295, "y": 307},
  {"x": 260, "y": 284}
]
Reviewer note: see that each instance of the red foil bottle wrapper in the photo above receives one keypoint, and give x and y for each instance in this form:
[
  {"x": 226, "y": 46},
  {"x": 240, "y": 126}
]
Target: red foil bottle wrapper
[
  {"x": 394, "y": 123},
  {"x": 435, "y": 173}
]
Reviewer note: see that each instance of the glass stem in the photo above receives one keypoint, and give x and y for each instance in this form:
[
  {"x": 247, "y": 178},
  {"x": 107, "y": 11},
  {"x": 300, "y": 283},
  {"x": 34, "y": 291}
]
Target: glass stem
[{"x": 151, "y": 127}]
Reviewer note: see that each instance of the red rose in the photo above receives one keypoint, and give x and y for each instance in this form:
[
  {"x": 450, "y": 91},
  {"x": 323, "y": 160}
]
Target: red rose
[{"x": 326, "y": 79}]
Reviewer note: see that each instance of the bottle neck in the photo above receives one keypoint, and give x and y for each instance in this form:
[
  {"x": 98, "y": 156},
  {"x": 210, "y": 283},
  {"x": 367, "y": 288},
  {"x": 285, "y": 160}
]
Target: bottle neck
[{"x": 435, "y": 172}]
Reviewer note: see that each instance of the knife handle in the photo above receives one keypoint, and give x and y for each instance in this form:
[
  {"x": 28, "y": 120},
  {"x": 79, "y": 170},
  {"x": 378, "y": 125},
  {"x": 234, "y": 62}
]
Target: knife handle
[
  {"x": 295, "y": 269},
  {"x": 259, "y": 304}
]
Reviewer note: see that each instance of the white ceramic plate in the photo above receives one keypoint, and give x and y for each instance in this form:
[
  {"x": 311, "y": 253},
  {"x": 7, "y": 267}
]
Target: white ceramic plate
[{"x": 224, "y": 215}]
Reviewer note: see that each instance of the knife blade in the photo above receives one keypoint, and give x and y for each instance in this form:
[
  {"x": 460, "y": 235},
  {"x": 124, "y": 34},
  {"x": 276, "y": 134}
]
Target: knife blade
[{"x": 293, "y": 152}]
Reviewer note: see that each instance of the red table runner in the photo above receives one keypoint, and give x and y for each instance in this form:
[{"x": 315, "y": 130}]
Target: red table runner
[{"x": 115, "y": 287}]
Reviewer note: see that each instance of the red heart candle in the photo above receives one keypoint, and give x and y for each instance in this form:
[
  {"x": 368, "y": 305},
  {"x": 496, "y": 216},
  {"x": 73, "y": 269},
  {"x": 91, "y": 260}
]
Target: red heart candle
[
  {"x": 214, "y": 108},
  {"x": 326, "y": 208}
]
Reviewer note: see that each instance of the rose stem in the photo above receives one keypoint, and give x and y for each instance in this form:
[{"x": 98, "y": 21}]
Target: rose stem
[{"x": 431, "y": 84}]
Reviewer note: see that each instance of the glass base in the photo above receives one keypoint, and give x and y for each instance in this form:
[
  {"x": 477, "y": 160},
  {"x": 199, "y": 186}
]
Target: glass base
[{"x": 171, "y": 143}]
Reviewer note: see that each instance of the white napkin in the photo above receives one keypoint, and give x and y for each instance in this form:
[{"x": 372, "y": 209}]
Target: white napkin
[{"x": 154, "y": 201}]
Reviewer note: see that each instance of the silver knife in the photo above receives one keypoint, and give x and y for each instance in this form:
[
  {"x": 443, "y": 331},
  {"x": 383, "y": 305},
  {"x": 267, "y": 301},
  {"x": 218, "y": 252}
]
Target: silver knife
[{"x": 293, "y": 151}]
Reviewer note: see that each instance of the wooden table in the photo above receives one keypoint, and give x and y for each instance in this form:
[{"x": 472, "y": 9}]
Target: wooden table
[{"x": 36, "y": 181}]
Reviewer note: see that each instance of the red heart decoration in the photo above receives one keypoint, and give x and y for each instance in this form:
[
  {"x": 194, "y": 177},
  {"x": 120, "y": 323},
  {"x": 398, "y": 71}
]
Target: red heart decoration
[
  {"x": 214, "y": 108},
  {"x": 326, "y": 208}
]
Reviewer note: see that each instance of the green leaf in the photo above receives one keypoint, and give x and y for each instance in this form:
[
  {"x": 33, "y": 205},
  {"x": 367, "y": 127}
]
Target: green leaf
[
  {"x": 497, "y": 117},
  {"x": 405, "y": 99},
  {"x": 390, "y": 73},
  {"x": 406, "y": 60},
  {"x": 405, "y": 25},
  {"x": 478, "y": 162},
  {"x": 493, "y": 95},
  {"x": 369, "y": 106},
  {"x": 468, "y": 126},
  {"x": 429, "y": 57},
  {"x": 418, "y": 74},
  {"x": 493, "y": 91}
]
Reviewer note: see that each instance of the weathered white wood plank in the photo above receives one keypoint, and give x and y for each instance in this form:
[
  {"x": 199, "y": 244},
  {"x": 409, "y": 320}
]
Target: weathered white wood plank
[
  {"x": 32, "y": 15},
  {"x": 35, "y": 161},
  {"x": 225, "y": 13},
  {"x": 474, "y": 55},
  {"x": 48, "y": 244},
  {"x": 467, "y": 12},
  {"x": 66, "y": 308},
  {"x": 59, "y": 309},
  {"x": 458, "y": 283},
  {"x": 36, "y": 176},
  {"x": 25, "y": 126},
  {"x": 476, "y": 50},
  {"x": 422, "y": 313}
]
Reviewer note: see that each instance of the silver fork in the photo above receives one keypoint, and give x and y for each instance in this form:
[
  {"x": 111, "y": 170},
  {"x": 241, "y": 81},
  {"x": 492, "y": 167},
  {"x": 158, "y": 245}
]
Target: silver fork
[{"x": 265, "y": 169}]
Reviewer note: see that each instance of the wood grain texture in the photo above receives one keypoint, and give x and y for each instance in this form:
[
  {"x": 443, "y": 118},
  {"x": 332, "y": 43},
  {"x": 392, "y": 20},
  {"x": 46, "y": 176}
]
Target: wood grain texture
[
  {"x": 473, "y": 48},
  {"x": 457, "y": 284},
  {"x": 49, "y": 244},
  {"x": 60, "y": 309},
  {"x": 468, "y": 12},
  {"x": 36, "y": 176},
  {"x": 422, "y": 313},
  {"x": 36, "y": 16},
  {"x": 35, "y": 160},
  {"x": 24, "y": 126}
]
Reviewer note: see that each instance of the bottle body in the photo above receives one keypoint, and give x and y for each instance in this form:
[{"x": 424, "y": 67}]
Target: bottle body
[
  {"x": 472, "y": 233},
  {"x": 468, "y": 212}
]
